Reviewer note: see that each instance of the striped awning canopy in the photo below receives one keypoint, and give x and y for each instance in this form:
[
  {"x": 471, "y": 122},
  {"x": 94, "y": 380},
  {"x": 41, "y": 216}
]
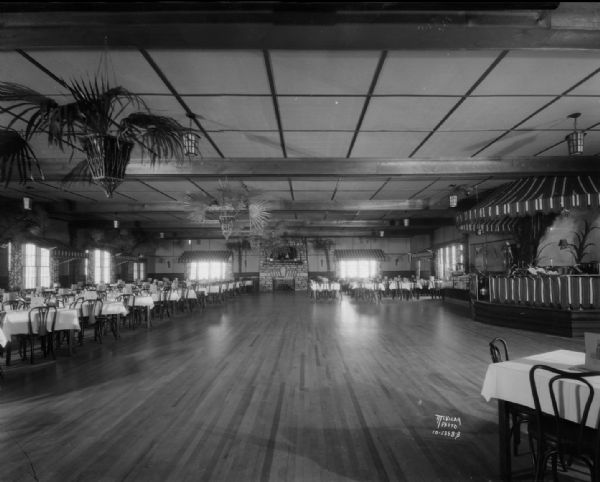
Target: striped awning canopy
[
  {"x": 190, "y": 256},
  {"x": 66, "y": 253},
  {"x": 530, "y": 195},
  {"x": 376, "y": 254},
  {"x": 425, "y": 254},
  {"x": 501, "y": 225},
  {"x": 128, "y": 257}
]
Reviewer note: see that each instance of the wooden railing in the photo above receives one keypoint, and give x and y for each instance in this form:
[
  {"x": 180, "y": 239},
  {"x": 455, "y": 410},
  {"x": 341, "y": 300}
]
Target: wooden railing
[{"x": 565, "y": 292}]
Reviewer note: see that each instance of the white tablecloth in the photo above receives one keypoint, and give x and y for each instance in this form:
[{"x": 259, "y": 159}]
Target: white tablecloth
[
  {"x": 3, "y": 339},
  {"x": 509, "y": 381},
  {"x": 17, "y": 322},
  {"x": 108, "y": 308},
  {"x": 142, "y": 301}
]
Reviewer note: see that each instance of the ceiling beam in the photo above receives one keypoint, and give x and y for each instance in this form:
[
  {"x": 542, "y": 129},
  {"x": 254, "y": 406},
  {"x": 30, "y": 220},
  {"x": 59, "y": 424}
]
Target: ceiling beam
[
  {"x": 272, "y": 206},
  {"x": 269, "y": 25},
  {"x": 55, "y": 169}
]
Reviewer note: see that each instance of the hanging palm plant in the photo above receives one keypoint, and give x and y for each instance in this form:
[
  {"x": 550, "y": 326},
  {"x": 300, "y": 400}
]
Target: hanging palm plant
[{"x": 92, "y": 122}]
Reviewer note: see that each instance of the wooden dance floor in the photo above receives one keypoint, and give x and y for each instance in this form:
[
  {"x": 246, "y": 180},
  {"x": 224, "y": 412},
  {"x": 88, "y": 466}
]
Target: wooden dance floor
[{"x": 269, "y": 387}]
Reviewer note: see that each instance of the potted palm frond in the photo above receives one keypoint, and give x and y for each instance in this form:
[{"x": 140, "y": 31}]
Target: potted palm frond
[{"x": 102, "y": 121}]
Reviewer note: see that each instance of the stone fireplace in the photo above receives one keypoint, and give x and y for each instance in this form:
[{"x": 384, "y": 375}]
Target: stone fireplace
[{"x": 283, "y": 266}]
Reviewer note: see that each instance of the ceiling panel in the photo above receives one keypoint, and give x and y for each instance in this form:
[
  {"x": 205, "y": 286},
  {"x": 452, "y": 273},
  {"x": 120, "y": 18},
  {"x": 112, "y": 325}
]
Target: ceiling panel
[
  {"x": 538, "y": 72},
  {"x": 444, "y": 145},
  {"x": 314, "y": 185},
  {"x": 386, "y": 144},
  {"x": 248, "y": 144},
  {"x": 406, "y": 113},
  {"x": 317, "y": 144},
  {"x": 555, "y": 115},
  {"x": 214, "y": 71},
  {"x": 234, "y": 113},
  {"x": 399, "y": 195},
  {"x": 126, "y": 68},
  {"x": 353, "y": 195},
  {"x": 432, "y": 72},
  {"x": 525, "y": 143},
  {"x": 267, "y": 185},
  {"x": 320, "y": 113},
  {"x": 323, "y": 73},
  {"x": 492, "y": 113},
  {"x": 16, "y": 68},
  {"x": 402, "y": 189},
  {"x": 589, "y": 87},
  {"x": 360, "y": 185},
  {"x": 283, "y": 195},
  {"x": 312, "y": 195},
  {"x": 178, "y": 185},
  {"x": 129, "y": 186}
]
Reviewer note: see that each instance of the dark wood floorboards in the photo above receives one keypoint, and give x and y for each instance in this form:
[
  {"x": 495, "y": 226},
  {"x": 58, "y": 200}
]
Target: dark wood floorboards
[{"x": 269, "y": 387}]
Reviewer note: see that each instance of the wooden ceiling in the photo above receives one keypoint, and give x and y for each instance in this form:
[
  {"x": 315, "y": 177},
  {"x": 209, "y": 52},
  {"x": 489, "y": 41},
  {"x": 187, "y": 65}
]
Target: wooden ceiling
[{"x": 348, "y": 118}]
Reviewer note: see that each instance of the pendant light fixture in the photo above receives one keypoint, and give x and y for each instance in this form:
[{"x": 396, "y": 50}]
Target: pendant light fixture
[
  {"x": 190, "y": 139},
  {"x": 27, "y": 203},
  {"x": 575, "y": 138}
]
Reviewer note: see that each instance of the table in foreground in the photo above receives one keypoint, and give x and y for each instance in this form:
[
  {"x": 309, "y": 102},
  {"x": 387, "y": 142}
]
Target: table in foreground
[
  {"x": 508, "y": 383},
  {"x": 17, "y": 323}
]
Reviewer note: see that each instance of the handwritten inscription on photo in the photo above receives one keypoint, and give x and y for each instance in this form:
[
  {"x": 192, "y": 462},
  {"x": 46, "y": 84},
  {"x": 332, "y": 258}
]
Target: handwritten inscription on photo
[{"x": 447, "y": 426}]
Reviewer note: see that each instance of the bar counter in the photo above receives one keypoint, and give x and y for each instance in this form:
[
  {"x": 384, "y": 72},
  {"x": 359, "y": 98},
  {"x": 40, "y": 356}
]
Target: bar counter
[{"x": 565, "y": 305}]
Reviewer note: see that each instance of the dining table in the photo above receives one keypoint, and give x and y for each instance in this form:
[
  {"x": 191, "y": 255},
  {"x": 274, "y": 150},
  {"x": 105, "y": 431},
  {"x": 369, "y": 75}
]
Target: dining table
[
  {"x": 144, "y": 301},
  {"x": 508, "y": 383},
  {"x": 16, "y": 322},
  {"x": 109, "y": 308}
]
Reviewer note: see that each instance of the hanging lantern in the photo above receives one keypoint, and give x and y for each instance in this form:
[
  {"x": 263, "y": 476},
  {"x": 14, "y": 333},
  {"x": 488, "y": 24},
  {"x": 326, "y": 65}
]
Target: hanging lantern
[
  {"x": 162, "y": 235},
  {"x": 190, "y": 139},
  {"x": 116, "y": 224},
  {"x": 575, "y": 138},
  {"x": 453, "y": 200},
  {"x": 406, "y": 222},
  {"x": 27, "y": 203}
]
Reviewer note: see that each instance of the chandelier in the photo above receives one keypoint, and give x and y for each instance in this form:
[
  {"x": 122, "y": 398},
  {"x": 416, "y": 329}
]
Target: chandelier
[
  {"x": 226, "y": 208},
  {"x": 227, "y": 220}
]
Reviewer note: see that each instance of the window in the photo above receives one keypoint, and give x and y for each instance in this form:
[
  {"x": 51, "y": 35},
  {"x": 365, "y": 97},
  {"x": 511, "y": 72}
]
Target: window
[
  {"x": 358, "y": 268},
  {"x": 450, "y": 259},
  {"x": 139, "y": 271},
  {"x": 101, "y": 266},
  {"x": 36, "y": 266},
  {"x": 214, "y": 270}
]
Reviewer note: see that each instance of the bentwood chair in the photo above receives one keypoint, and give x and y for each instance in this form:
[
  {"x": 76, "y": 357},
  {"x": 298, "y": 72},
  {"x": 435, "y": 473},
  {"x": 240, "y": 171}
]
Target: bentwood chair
[
  {"x": 499, "y": 353},
  {"x": 36, "y": 324},
  {"x": 555, "y": 437}
]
